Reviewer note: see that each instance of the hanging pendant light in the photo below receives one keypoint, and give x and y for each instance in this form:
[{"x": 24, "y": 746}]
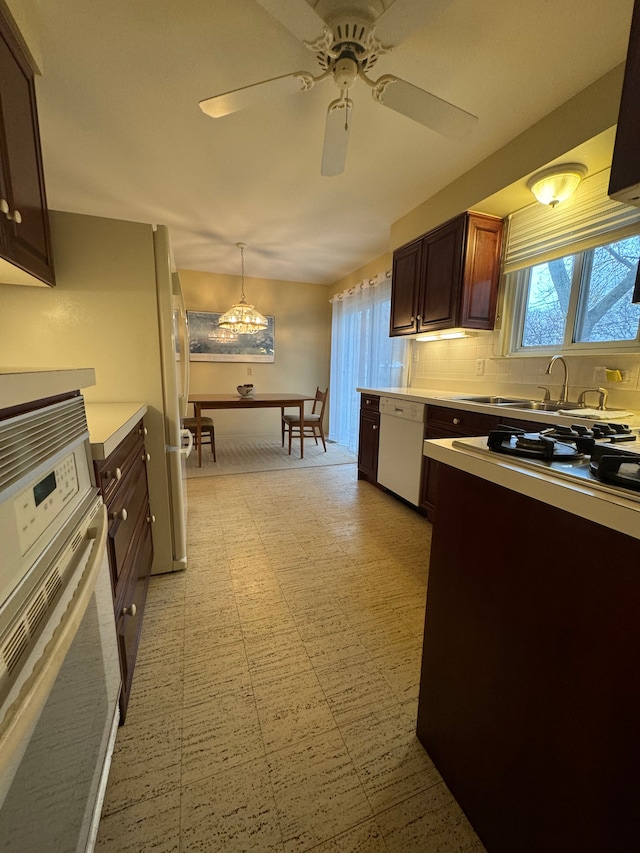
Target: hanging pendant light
[{"x": 242, "y": 318}]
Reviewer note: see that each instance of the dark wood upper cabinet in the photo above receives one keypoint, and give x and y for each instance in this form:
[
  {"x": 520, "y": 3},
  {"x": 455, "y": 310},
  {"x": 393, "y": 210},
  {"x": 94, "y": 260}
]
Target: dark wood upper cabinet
[
  {"x": 624, "y": 182},
  {"x": 407, "y": 265},
  {"x": 24, "y": 223},
  {"x": 441, "y": 280},
  {"x": 448, "y": 277}
]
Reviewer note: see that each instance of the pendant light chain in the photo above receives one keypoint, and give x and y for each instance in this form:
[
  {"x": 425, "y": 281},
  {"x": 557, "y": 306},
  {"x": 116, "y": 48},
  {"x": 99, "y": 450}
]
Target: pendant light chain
[{"x": 241, "y": 247}]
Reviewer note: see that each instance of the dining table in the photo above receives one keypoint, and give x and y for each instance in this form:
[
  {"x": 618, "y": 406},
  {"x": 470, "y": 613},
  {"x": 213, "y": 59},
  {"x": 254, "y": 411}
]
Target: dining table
[{"x": 280, "y": 401}]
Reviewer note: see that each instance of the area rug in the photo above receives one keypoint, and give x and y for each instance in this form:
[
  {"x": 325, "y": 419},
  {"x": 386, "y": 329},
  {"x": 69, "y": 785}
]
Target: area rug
[{"x": 248, "y": 454}]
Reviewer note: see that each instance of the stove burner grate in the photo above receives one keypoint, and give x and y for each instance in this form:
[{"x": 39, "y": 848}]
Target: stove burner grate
[{"x": 532, "y": 445}]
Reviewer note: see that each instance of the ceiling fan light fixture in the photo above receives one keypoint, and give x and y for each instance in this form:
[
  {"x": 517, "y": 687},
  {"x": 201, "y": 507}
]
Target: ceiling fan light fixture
[
  {"x": 557, "y": 183},
  {"x": 345, "y": 72},
  {"x": 242, "y": 318}
]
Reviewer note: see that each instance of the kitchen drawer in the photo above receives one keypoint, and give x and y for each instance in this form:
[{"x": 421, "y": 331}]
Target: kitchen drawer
[
  {"x": 130, "y": 612},
  {"x": 369, "y": 402},
  {"x": 457, "y": 422},
  {"x": 111, "y": 471},
  {"x": 124, "y": 512}
]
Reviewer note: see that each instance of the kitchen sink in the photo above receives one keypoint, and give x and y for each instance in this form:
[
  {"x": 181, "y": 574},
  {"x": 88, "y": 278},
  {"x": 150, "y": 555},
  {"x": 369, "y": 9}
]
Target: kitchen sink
[
  {"x": 520, "y": 403},
  {"x": 543, "y": 405},
  {"x": 494, "y": 401}
]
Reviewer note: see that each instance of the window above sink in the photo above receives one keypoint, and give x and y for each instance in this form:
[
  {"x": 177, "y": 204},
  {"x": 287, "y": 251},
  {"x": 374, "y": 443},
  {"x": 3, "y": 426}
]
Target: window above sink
[
  {"x": 569, "y": 276},
  {"x": 581, "y": 300}
]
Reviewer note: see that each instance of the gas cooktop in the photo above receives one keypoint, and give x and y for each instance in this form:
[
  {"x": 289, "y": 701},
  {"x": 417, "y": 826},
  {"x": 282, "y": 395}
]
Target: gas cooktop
[{"x": 608, "y": 460}]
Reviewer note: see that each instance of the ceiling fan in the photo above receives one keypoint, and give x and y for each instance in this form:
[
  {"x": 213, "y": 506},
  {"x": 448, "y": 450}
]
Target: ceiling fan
[{"x": 347, "y": 37}]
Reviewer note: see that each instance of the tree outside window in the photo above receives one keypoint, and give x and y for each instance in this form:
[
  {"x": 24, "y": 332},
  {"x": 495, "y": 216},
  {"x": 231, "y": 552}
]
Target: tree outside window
[{"x": 583, "y": 298}]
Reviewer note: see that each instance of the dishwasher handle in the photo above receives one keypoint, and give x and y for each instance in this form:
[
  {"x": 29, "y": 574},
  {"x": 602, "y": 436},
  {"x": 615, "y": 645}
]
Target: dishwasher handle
[{"x": 407, "y": 409}]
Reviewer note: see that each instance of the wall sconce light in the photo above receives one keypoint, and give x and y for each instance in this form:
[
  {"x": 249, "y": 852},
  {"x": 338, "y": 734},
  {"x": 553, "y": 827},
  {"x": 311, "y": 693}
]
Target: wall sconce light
[
  {"x": 556, "y": 184},
  {"x": 445, "y": 335}
]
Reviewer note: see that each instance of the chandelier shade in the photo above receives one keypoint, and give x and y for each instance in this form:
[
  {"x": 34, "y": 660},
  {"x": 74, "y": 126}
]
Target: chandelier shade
[{"x": 242, "y": 318}]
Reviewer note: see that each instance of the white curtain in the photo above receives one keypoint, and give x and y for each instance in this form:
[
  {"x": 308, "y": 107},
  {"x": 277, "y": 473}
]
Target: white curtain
[{"x": 362, "y": 354}]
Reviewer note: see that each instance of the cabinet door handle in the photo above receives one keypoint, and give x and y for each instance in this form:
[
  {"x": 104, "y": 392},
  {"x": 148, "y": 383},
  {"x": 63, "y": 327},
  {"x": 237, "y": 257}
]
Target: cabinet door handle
[
  {"x": 375, "y": 426},
  {"x": 122, "y": 515},
  {"x": 143, "y": 431},
  {"x": 129, "y": 611},
  {"x": 16, "y": 216},
  {"x": 151, "y": 519},
  {"x": 146, "y": 457},
  {"x": 456, "y": 420},
  {"x": 117, "y": 474}
]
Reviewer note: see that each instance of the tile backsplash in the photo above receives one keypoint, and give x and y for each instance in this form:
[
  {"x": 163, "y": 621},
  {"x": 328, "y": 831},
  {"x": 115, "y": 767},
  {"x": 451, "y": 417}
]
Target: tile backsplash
[{"x": 471, "y": 364}]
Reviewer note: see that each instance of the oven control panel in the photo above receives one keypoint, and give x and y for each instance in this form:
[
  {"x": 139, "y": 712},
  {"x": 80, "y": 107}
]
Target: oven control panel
[{"x": 39, "y": 504}]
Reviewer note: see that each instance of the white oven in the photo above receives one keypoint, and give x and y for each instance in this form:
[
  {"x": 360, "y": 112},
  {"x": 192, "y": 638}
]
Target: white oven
[{"x": 59, "y": 669}]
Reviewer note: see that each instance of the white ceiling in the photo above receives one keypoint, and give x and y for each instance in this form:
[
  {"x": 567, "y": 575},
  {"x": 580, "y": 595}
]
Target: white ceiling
[{"x": 123, "y": 135}]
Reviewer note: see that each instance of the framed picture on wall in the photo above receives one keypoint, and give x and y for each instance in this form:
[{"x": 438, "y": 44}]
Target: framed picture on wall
[{"x": 209, "y": 342}]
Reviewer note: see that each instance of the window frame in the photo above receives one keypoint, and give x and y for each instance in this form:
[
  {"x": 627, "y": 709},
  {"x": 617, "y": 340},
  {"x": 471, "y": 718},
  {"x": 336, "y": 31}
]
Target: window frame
[{"x": 516, "y": 289}]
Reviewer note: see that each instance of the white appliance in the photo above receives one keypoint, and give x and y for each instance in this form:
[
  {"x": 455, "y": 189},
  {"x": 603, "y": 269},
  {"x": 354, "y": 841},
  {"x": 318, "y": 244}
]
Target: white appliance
[
  {"x": 400, "y": 448},
  {"x": 174, "y": 353},
  {"x": 59, "y": 668}
]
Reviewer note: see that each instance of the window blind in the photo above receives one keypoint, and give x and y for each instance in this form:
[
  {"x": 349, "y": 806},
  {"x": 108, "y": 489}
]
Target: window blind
[{"x": 589, "y": 218}]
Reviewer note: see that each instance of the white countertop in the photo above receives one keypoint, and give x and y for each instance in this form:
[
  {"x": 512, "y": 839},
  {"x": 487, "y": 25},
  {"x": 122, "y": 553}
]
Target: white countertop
[
  {"x": 20, "y": 385},
  {"x": 110, "y": 423},
  {"x": 452, "y": 400},
  {"x": 577, "y": 497}
]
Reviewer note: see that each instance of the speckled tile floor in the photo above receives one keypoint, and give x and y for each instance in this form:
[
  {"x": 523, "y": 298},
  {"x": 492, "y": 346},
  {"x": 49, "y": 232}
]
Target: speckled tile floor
[{"x": 274, "y": 700}]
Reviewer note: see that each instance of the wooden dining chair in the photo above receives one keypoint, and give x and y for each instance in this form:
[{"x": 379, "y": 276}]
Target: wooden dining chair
[
  {"x": 313, "y": 422},
  {"x": 207, "y": 429}
]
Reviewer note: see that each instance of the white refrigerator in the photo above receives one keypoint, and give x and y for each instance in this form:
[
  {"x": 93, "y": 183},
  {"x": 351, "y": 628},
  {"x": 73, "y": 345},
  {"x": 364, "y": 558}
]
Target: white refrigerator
[{"x": 174, "y": 354}]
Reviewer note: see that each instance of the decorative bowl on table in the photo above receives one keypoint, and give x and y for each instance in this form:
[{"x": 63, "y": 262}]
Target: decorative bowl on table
[{"x": 244, "y": 390}]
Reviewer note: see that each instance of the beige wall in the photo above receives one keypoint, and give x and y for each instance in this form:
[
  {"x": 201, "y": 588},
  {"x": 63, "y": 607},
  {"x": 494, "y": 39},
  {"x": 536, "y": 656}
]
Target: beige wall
[
  {"x": 581, "y": 118},
  {"x": 102, "y": 314},
  {"x": 95, "y": 317},
  {"x": 302, "y": 332},
  {"x": 378, "y": 265}
]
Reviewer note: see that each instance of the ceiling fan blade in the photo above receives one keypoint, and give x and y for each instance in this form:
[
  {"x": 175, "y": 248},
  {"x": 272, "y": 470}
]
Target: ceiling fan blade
[
  {"x": 247, "y": 96},
  {"x": 336, "y": 137},
  {"x": 403, "y": 17},
  {"x": 297, "y": 16},
  {"x": 423, "y": 107}
]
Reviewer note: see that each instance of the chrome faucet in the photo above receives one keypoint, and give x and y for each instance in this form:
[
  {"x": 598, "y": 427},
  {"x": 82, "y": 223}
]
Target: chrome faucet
[{"x": 564, "y": 394}]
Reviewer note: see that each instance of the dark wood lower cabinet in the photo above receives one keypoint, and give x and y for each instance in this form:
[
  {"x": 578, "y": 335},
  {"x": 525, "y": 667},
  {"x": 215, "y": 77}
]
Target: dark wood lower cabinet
[
  {"x": 369, "y": 438},
  {"x": 130, "y": 615},
  {"x": 530, "y": 683},
  {"x": 443, "y": 422},
  {"x": 122, "y": 477}
]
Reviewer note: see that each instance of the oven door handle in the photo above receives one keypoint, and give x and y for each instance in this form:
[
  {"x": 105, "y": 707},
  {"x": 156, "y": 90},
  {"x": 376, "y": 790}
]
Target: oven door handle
[{"x": 20, "y": 719}]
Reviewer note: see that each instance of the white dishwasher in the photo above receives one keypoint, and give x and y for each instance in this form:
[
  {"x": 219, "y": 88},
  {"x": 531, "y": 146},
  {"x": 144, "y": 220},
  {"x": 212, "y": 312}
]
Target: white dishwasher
[{"x": 400, "y": 449}]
